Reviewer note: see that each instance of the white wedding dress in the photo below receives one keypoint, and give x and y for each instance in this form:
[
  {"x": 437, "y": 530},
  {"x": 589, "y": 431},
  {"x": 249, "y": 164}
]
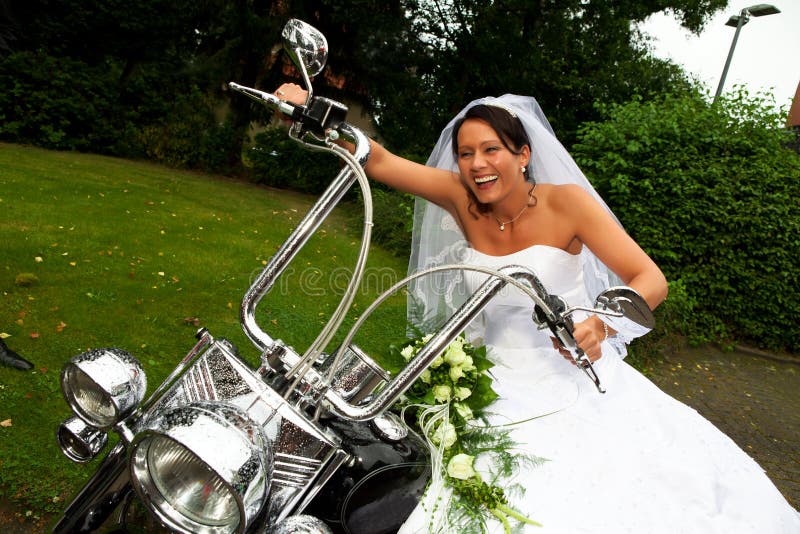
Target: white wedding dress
[{"x": 631, "y": 460}]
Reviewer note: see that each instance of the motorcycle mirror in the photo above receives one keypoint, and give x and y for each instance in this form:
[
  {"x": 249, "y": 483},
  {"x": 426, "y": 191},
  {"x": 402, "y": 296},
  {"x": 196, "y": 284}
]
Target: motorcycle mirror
[
  {"x": 636, "y": 319},
  {"x": 307, "y": 47}
]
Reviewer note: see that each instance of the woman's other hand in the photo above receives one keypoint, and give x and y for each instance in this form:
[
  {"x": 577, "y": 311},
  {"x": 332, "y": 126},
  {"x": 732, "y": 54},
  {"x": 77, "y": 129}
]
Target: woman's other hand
[{"x": 588, "y": 334}]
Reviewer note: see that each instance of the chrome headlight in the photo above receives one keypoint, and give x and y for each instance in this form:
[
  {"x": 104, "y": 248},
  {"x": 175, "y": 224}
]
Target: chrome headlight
[
  {"x": 79, "y": 441},
  {"x": 205, "y": 467},
  {"x": 103, "y": 386}
]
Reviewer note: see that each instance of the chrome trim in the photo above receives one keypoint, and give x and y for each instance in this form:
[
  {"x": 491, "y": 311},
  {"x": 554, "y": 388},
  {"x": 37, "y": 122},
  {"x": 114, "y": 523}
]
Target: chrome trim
[
  {"x": 357, "y": 375},
  {"x": 115, "y": 374},
  {"x": 439, "y": 341},
  {"x": 79, "y": 441},
  {"x": 306, "y": 454},
  {"x": 204, "y": 429},
  {"x": 102, "y": 493},
  {"x": 298, "y": 238}
]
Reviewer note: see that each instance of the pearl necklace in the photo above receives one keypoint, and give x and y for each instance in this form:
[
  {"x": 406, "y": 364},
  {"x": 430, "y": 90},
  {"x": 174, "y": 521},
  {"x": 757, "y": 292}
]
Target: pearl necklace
[{"x": 532, "y": 200}]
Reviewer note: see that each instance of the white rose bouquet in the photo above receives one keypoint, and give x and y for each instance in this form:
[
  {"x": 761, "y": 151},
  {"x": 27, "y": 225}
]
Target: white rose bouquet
[{"x": 445, "y": 405}]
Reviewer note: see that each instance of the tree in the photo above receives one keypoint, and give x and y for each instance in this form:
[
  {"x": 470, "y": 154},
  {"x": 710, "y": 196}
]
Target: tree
[
  {"x": 412, "y": 63},
  {"x": 567, "y": 53}
]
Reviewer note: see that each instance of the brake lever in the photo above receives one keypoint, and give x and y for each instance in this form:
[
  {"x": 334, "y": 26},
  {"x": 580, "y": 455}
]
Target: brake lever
[
  {"x": 578, "y": 356},
  {"x": 561, "y": 325},
  {"x": 586, "y": 366}
]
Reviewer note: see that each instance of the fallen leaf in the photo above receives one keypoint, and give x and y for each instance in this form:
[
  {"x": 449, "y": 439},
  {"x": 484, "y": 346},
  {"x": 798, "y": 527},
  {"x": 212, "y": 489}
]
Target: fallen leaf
[
  {"x": 3, "y": 335},
  {"x": 34, "y": 335},
  {"x": 61, "y": 326},
  {"x": 5, "y": 423}
]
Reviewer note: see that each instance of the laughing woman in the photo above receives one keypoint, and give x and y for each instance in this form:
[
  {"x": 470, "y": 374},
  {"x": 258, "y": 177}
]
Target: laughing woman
[{"x": 500, "y": 189}]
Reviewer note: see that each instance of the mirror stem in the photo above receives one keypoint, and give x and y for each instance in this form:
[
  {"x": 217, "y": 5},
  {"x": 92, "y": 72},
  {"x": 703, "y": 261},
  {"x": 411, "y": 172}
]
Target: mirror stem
[{"x": 306, "y": 78}]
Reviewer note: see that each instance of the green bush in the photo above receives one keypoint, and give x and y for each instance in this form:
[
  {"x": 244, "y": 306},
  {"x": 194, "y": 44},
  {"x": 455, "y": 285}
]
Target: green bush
[
  {"x": 63, "y": 103},
  {"x": 281, "y": 162},
  {"x": 56, "y": 102},
  {"x": 188, "y": 136},
  {"x": 710, "y": 192},
  {"x": 393, "y": 217}
]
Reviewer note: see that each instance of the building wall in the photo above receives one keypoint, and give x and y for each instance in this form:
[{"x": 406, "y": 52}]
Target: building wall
[{"x": 794, "y": 111}]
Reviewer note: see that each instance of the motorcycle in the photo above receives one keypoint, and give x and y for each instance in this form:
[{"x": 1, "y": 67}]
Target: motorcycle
[{"x": 305, "y": 442}]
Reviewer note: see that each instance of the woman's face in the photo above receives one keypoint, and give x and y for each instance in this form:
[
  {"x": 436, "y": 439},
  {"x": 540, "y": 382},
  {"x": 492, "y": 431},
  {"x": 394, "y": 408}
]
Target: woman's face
[{"x": 487, "y": 167}]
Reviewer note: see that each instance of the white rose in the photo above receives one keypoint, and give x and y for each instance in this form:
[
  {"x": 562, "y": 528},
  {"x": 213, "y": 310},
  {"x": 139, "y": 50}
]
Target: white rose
[
  {"x": 455, "y": 355},
  {"x": 468, "y": 365},
  {"x": 456, "y": 373},
  {"x": 426, "y": 339},
  {"x": 407, "y": 352},
  {"x": 445, "y": 434},
  {"x": 464, "y": 411},
  {"x": 437, "y": 362},
  {"x": 425, "y": 376},
  {"x": 462, "y": 393},
  {"x": 441, "y": 393},
  {"x": 460, "y": 467}
]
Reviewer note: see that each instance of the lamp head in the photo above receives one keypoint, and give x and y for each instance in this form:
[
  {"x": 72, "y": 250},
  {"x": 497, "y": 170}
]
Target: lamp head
[{"x": 759, "y": 10}]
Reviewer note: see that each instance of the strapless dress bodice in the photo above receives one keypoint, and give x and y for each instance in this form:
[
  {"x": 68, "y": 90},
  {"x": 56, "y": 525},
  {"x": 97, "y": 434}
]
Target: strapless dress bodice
[{"x": 506, "y": 320}]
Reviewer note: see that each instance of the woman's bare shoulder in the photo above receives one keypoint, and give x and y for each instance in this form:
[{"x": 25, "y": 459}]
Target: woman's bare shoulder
[{"x": 564, "y": 196}]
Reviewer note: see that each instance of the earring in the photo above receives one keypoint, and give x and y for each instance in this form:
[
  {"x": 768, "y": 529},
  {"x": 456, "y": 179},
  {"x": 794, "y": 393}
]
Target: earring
[{"x": 523, "y": 169}]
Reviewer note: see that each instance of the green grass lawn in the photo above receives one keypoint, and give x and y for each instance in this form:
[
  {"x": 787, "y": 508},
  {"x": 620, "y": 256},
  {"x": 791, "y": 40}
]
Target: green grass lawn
[{"x": 136, "y": 256}]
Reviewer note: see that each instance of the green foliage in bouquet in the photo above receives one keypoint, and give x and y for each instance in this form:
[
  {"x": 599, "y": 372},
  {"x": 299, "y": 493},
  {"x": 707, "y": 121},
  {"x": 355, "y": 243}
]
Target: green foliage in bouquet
[{"x": 448, "y": 406}]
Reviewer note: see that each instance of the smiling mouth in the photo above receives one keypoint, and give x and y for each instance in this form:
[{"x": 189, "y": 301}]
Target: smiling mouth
[{"x": 485, "y": 179}]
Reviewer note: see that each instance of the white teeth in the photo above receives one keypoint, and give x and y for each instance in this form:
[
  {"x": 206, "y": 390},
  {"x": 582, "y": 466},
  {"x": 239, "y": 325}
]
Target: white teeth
[{"x": 485, "y": 179}]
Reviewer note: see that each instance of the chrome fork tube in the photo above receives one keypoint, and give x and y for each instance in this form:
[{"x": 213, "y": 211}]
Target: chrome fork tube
[{"x": 99, "y": 497}]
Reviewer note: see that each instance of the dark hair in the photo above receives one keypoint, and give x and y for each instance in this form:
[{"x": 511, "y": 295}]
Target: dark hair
[{"x": 508, "y": 127}]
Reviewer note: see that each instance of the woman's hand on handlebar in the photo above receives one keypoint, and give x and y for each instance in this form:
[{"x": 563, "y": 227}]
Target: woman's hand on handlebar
[
  {"x": 291, "y": 92},
  {"x": 588, "y": 334}
]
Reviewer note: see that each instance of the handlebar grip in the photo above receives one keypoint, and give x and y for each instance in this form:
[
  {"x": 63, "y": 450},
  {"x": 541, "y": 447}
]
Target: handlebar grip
[
  {"x": 271, "y": 101},
  {"x": 319, "y": 115}
]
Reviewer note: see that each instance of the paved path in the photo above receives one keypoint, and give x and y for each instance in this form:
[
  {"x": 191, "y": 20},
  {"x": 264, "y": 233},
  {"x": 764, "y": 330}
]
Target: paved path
[{"x": 753, "y": 399}]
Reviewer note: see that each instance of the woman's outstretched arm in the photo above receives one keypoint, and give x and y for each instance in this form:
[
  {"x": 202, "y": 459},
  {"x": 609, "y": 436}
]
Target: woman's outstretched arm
[{"x": 436, "y": 185}]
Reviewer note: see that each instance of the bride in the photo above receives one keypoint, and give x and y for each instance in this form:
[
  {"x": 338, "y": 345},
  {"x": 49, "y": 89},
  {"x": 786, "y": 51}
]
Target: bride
[{"x": 500, "y": 189}]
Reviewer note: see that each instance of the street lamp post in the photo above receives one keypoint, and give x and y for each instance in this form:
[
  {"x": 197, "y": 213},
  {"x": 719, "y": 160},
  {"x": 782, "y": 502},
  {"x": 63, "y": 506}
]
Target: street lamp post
[{"x": 737, "y": 21}]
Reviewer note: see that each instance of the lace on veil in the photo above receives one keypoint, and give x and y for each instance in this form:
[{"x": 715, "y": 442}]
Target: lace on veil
[{"x": 437, "y": 239}]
